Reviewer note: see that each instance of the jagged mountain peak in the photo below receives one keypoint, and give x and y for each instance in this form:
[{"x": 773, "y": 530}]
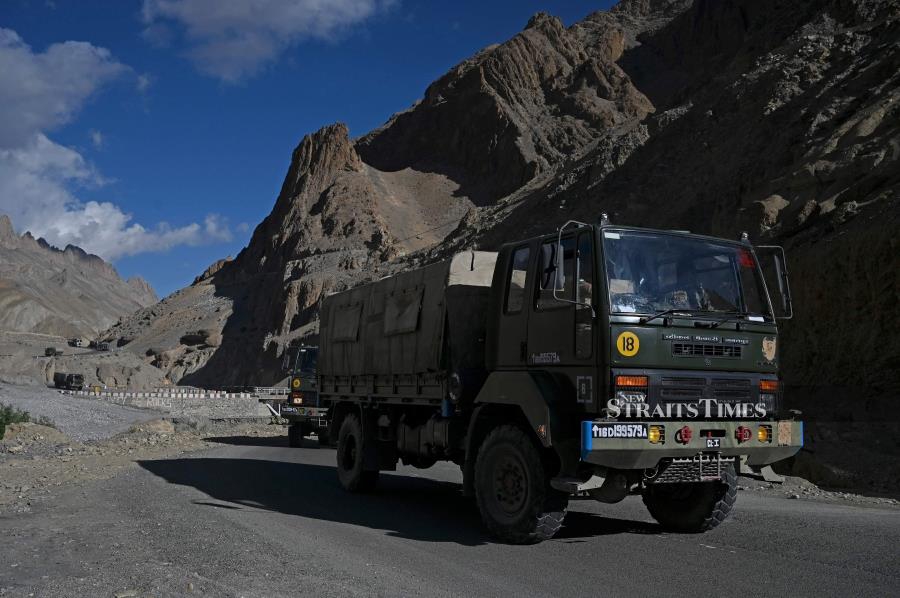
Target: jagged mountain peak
[
  {"x": 713, "y": 116},
  {"x": 65, "y": 292},
  {"x": 7, "y": 233}
]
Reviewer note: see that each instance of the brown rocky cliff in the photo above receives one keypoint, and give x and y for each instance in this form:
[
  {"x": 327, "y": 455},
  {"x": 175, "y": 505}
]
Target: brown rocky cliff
[
  {"x": 514, "y": 111},
  {"x": 776, "y": 118}
]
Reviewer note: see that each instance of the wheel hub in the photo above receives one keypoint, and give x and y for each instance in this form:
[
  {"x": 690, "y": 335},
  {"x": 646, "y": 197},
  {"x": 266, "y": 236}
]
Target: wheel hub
[{"x": 510, "y": 485}]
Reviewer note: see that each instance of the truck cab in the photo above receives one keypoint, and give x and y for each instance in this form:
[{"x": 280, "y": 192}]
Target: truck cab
[
  {"x": 302, "y": 409},
  {"x": 667, "y": 342}
]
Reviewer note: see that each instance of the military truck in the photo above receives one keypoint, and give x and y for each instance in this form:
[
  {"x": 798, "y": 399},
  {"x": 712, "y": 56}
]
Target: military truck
[
  {"x": 302, "y": 409},
  {"x": 597, "y": 362},
  {"x": 52, "y": 352},
  {"x": 65, "y": 381}
]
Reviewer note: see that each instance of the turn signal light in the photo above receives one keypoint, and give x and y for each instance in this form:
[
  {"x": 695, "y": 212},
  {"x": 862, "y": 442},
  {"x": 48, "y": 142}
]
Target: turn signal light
[
  {"x": 742, "y": 434},
  {"x": 768, "y": 385},
  {"x": 764, "y": 434},
  {"x": 656, "y": 434},
  {"x": 633, "y": 381}
]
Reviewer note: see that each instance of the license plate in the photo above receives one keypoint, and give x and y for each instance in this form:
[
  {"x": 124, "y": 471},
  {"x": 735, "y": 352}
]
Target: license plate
[
  {"x": 713, "y": 443},
  {"x": 619, "y": 431}
]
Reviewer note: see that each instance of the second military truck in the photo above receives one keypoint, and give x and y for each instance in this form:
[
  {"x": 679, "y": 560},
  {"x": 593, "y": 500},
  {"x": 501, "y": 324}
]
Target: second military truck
[
  {"x": 598, "y": 362},
  {"x": 302, "y": 410}
]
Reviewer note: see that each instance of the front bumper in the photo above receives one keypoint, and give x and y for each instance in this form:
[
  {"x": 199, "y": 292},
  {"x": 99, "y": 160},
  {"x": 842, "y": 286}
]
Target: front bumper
[
  {"x": 295, "y": 413},
  {"x": 639, "y": 453}
]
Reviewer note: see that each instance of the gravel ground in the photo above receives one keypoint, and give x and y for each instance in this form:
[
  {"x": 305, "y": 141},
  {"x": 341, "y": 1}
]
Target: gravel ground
[{"x": 80, "y": 419}]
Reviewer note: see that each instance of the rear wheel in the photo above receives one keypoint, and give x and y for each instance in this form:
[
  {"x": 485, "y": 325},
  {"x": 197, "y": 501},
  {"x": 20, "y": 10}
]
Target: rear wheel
[
  {"x": 512, "y": 489},
  {"x": 692, "y": 507},
  {"x": 350, "y": 457}
]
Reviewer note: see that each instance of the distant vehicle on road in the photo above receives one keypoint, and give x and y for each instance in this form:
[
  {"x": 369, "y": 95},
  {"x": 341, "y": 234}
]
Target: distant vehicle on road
[
  {"x": 102, "y": 346},
  {"x": 76, "y": 342},
  {"x": 597, "y": 362},
  {"x": 66, "y": 381},
  {"x": 302, "y": 407},
  {"x": 52, "y": 352}
]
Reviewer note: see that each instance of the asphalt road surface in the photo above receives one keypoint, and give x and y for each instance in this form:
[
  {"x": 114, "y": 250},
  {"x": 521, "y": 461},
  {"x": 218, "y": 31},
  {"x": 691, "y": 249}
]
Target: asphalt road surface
[{"x": 251, "y": 520}]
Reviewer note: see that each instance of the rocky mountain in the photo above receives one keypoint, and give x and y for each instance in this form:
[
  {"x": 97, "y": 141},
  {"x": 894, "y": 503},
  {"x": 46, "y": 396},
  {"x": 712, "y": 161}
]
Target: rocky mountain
[
  {"x": 779, "y": 118},
  {"x": 64, "y": 292}
]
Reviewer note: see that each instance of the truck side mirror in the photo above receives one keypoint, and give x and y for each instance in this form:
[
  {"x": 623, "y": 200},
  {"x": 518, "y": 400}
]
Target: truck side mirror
[
  {"x": 559, "y": 273},
  {"x": 548, "y": 265},
  {"x": 774, "y": 270}
]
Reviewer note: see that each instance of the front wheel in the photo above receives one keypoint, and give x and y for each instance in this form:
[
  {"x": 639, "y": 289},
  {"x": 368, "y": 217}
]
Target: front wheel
[
  {"x": 350, "y": 457},
  {"x": 512, "y": 489},
  {"x": 692, "y": 507}
]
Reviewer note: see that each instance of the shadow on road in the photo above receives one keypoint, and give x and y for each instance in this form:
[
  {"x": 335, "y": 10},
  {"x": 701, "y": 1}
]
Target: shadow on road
[
  {"x": 257, "y": 440},
  {"x": 587, "y": 525},
  {"x": 404, "y": 506}
]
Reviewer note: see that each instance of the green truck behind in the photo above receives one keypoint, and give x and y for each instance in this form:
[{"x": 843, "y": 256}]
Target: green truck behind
[
  {"x": 597, "y": 362},
  {"x": 302, "y": 410}
]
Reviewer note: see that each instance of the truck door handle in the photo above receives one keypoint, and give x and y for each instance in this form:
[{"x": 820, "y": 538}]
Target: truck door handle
[{"x": 523, "y": 350}]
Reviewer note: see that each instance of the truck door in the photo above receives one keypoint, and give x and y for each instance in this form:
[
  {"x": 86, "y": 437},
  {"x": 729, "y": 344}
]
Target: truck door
[
  {"x": 561, "y": 329},
  {"x": 512, "y": 331}
]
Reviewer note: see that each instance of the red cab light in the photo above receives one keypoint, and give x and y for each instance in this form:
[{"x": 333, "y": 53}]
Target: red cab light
[
  {"x": 683, "y": 436},
  {"x": 742, "y": 434}
]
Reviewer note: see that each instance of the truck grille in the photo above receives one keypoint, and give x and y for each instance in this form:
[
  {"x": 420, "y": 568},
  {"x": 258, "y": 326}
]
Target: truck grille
[
  {"x": 732, "y": 389},
  {"x": 701, "y": 468},
  {"x": 698, "y": 350},
  {"x": 694, "y": 388}
]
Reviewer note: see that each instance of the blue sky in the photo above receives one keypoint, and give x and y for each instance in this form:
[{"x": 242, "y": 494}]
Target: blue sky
[{"x": 171, "y": 113}]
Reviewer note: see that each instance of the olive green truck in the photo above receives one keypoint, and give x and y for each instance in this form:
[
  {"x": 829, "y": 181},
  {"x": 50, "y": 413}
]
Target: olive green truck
[{"x": 597, "y": 362}]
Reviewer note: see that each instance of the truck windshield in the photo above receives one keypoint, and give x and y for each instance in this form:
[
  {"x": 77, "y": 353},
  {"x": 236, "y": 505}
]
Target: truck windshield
[
  {"x": 306, "y": 360},
  {"x": 652, "y": 272}
]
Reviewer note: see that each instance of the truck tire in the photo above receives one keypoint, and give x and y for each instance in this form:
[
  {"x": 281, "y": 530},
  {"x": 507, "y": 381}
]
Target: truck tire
[
  {"x": 692, "y": 507},
  {"x": 295, "y": 435},
  {"x": 512, "y": 489},
  {"x": 350, "y": 457}
]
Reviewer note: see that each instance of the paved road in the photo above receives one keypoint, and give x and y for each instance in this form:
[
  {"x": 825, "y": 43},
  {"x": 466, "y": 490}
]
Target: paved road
[{"x": 249, "y": 520}]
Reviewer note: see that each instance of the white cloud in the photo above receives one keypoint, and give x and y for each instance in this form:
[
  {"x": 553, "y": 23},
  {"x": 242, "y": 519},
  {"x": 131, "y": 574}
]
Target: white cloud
[
  {"x": 97, "y": 139},
  {"x": 143, "y": 83},
  {"x": 38, "y": 176},
  {"x": 233, "y": 40},
  {"x": 34, "y": 183},
  {"x": 39, "y": 91}
]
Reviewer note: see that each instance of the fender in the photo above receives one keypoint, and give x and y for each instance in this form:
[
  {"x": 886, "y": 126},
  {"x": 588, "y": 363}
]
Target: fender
[
  {"x": 539, "y": 398},
  {"x": 539, "y": 395}
]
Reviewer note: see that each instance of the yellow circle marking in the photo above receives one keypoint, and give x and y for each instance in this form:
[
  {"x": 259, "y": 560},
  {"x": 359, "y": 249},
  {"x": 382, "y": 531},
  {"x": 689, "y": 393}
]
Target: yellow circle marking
[
  {"x": 296, "y": 383},
  {"x": 628, "y": 344}
]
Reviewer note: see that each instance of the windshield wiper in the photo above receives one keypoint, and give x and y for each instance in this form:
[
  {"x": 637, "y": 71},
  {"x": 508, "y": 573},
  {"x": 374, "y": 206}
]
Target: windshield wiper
[
  {"x": 730, "y": 316},
  {"x": 666, "y": 312}
]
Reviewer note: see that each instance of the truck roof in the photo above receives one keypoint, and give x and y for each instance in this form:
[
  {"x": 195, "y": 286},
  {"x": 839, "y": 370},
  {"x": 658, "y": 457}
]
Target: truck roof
[{"x": 662, "y": 231}]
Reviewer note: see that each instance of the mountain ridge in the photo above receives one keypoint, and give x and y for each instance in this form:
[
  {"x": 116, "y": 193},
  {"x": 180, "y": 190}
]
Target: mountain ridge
[
  {"x": 719, "y": 117},
  {"x": 65, "y": 292}
]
